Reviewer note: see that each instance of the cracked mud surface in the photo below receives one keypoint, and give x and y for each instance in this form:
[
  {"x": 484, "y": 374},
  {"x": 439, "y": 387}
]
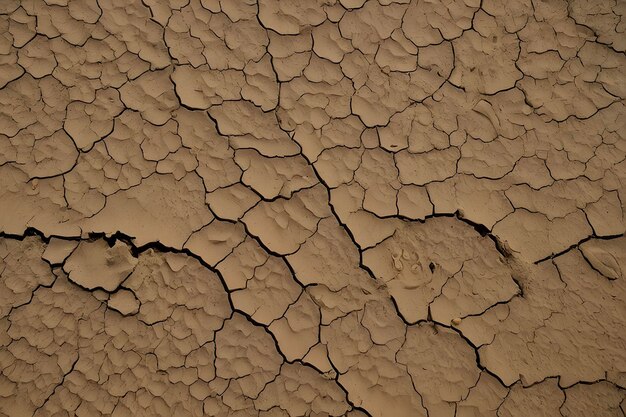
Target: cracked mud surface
[{"x": 313, "y": 208}]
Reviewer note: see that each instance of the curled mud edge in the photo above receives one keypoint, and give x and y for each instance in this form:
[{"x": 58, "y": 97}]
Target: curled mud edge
[{"x": 312, "y": 208}]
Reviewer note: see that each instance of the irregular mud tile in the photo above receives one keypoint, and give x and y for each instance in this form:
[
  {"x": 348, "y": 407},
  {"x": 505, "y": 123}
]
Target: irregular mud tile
[
  {"x": 414, "y": 203},
  {"x": 198, "y": 133},
  {"x": 42, "y": 208},
  {"x": 381, "y": 97},
  {"x": 9, "y": 71},
  {"x": 533, "y": 341},
  {"x": 490, "y": 160},
  {"x": 370, "y": 373},
  {"x": 513, "y": 14},
  {"x": 347, "y": 204},
  {"x": 160, "y": 209},
  {"x": 21, "y": 272},
  {"x": 532, "y": 236},
  {"x": 283, "y": 225},
  {"x": 442, "y": 366},
  {"x": 480, "y": 201},
  {"x": 608, "y": 257},
  {"x": 142, "y": 36},
  {"x": 336, "y": 268},
  {"x": 271, "y": 280},
  {"x": 22, "y": 27},
  {"x": 124, "y": 301},
  {"x": 290, "y": 18},
  {"x": 261, "y": 86},
  {"x": 606, "y": 216},
  {"x": 475, "y": 68},
  {"x": 215, "y": 241},
  {"x": 273, "y": 177},
  {"x": 429, "y": 22},
  {"x": 44, "y": 332},
  {"x": 95, "y": 264},
  {"x": 241, "y": 265},
  {"x": 318, "y": 358},
  {"x": 369, "y": 25},
  {"x": 86, "y": 11},
  {"x": 337, "y": 258},
  {"x": 483, "y": 399},
  {"x": 192, "y": 293},
  {"x": 21, "y": 99},
  {"x": 417, "y": 264},
  {"x": 87, "y": 123},
  {"x": 247, "y": 353},
  {"x": 420, "y": 169},
  {"x": 435, "y": 64},
  {"x": 248, "y": 126},
  {"x": 336, "y": 166},
  {"x": 542, "y": 399},
  {"x": 581, "y": 75},
  {"x": 179, "y": 163},
  {"x": 232, "y": 202},
  {"x": 52, "y": 155},
  {"x": 322, "y": 70},
  {"x": 201, "y": 88},
  {"x": 298, "y": 330},
  {"x": 329, "y": 44},
  {"x": 302, "y": 101},
  {"x": 58, "y": 250},
  {"x": 290, "y": 54},
  {"x": 532, "y": 171},
  {"x": 152, "y": 94},
  {"x": 300, "y": 390},
  {"x": 37, "y": 58},
  {"x": 601, "y": 399},
  {"x": 412, "y": 128},
  {"x": 397, "y": 53},
  {"x": 385, "y": 327},
  {"x": 379, "y": 181},
  {"x": 570, "y": 196}
]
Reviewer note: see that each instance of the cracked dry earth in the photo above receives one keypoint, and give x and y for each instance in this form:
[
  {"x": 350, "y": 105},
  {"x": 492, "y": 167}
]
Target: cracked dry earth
[{"x": 312, "y": 208}]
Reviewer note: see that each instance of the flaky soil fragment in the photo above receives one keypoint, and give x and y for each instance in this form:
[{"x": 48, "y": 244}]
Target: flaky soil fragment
[{"x": 281, "y": 208}]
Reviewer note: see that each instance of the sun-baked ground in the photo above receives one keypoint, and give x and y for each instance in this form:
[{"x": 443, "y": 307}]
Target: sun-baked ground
[{"x": 313, "y": 208}]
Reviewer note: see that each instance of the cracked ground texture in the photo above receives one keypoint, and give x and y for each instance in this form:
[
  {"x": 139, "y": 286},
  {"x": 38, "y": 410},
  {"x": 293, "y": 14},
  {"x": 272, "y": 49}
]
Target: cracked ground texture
[{"x": 287, "y": 208}]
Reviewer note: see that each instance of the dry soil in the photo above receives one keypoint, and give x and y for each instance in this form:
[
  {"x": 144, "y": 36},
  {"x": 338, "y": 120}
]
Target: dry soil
[{"x": 286, "y": 208}]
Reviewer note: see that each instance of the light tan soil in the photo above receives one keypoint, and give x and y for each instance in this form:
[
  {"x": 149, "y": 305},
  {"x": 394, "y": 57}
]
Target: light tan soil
[{"x": 287, "y": 208}]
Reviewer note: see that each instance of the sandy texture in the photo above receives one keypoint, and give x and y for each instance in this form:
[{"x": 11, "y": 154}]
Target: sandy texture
[{"x": 287, "y": 208}]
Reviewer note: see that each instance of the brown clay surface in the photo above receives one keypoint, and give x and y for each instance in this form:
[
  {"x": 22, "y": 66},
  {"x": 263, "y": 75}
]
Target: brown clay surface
[{"x": 286, "y": 208}]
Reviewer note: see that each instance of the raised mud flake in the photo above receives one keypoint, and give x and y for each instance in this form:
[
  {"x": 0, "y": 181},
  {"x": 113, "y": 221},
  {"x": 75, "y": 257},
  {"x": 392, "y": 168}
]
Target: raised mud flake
[
  {"x": 58, "y": 250},
  {"x": 124, "y": 301},
  {"x": 608, "y": 257},
  {"x": 97, "y": 265}
]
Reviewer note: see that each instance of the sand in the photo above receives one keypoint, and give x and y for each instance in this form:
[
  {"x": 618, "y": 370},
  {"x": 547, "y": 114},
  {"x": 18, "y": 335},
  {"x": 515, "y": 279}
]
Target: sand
[{"x": 286, "y": 208}]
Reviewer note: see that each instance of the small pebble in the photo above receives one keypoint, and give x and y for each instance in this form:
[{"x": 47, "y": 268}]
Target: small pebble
[{"x": 456, "y": 321}]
